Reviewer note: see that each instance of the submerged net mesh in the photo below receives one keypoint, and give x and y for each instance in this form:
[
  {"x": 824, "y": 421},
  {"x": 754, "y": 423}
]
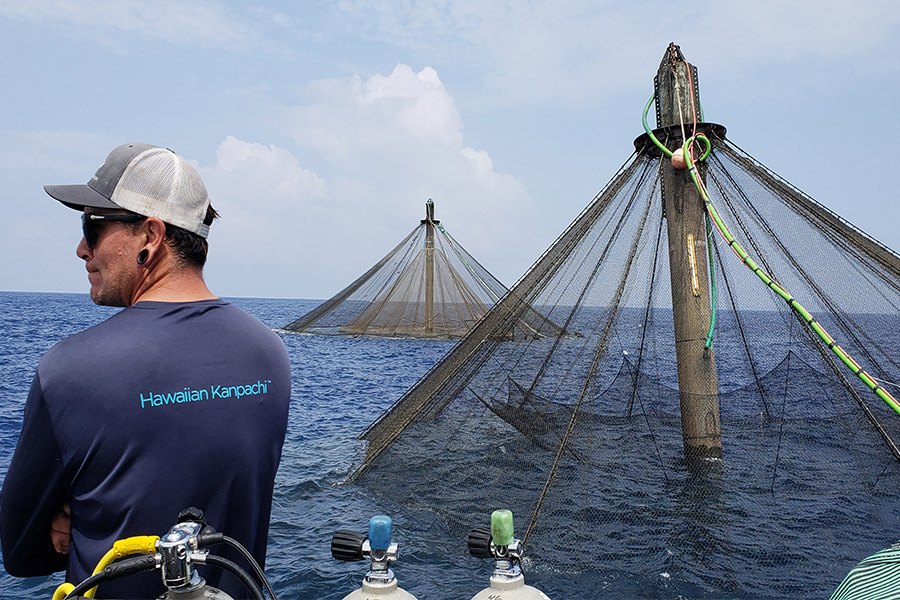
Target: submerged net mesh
[
  {"x": 580, "y": 434},
  {"x": 428, "y": 286}
]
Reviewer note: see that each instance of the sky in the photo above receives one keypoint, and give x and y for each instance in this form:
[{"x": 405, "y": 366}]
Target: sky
[{"x": 322, "y": 128}]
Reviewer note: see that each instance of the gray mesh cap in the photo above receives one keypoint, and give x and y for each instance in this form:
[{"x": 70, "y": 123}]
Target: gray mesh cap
[{"x": 147, "y": 180}]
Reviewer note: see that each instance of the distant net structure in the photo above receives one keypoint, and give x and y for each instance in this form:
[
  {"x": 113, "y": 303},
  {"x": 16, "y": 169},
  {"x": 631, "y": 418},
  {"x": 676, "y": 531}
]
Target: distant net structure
[
  {"x": 428, "y": 286},
  {"x": 584, "y": 436}
]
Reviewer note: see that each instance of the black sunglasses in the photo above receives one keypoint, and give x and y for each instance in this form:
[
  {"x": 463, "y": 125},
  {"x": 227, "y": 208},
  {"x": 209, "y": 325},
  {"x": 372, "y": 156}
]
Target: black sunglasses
[{"x": 91, "y": 222}]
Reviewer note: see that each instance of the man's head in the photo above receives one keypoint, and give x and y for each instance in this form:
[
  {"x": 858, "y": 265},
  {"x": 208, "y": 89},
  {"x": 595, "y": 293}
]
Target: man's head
[{"x": 153, "y": 195}]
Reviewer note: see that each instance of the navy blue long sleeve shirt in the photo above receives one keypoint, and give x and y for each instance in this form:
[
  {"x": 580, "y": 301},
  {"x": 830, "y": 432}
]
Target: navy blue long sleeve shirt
[{"x": 161, "y": 407}]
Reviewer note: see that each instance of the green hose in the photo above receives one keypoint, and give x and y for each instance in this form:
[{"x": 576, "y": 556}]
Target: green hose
[
  {"x": 745, "y": 258},
  {"x": 712, "y": 281},
  {"x": 659, "y": 144}
]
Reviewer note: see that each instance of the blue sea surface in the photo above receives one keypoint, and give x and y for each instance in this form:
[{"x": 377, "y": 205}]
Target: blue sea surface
[{"x": 340, "y": 386}]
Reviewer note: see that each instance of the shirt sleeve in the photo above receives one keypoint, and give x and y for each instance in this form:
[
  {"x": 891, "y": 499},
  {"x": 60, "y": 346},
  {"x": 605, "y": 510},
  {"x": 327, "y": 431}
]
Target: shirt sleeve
[{"x": 34, "y": 490}]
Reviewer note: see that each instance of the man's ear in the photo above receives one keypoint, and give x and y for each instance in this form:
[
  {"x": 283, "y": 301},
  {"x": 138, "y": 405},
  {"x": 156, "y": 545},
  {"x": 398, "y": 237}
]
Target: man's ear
[{"x": 154, "y": 232}]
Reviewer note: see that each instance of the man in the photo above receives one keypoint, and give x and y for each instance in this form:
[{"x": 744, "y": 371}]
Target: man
[{"x": 180, "y": 399}]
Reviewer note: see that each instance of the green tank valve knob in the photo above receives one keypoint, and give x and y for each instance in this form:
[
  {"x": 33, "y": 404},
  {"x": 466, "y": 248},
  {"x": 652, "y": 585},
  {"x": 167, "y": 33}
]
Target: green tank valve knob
[{"x": 502, "y": 527}]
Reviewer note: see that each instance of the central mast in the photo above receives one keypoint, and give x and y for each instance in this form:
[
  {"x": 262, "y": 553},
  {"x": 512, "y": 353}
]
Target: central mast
[
  {"x": 429, "y": 266},
  {"x": 677, "y": 109}
]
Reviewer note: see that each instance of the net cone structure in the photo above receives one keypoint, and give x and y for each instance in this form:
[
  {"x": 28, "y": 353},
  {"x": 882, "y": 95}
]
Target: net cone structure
[
  {"x": 428, "y": 286},
  {"x": 582, "y": 436}
]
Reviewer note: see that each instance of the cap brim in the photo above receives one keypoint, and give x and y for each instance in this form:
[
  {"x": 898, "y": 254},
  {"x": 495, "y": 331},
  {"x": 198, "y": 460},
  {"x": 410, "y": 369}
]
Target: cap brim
[{"x": 78, "y": 197}]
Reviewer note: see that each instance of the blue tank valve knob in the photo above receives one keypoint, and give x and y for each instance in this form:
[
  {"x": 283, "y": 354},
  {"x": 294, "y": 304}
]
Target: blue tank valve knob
[{"x": 380, "y": 532}]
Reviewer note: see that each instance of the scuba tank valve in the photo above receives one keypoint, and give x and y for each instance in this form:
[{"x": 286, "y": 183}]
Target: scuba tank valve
[
  {"x": 178, "y": 571},
  {"x": 507, "y": 581},
  {"x": 348, "y": 545}
]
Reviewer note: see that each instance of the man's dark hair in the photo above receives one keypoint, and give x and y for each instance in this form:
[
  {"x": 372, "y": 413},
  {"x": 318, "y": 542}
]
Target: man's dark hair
[{"x": 190, "y": 247}]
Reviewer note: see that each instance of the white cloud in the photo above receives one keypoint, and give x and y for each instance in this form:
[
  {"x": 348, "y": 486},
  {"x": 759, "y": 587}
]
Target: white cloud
[
  {"x": 402, "y": 134},
  {"x": 244, "y": 168},
  {"x": 263, "y": 195},
  {"x": 387, "y": 144},
  {"x": 402, "y": 110}
]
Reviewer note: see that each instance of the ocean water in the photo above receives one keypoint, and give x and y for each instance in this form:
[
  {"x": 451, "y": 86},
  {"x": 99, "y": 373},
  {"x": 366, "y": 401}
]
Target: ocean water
[{"x": 340, "y": 386}]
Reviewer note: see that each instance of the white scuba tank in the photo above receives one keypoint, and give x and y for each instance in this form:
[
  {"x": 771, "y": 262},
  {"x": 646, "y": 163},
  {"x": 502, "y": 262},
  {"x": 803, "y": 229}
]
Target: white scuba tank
[
  {"x": 510, "y": 589},
  {"x": 381, "y": 590}
]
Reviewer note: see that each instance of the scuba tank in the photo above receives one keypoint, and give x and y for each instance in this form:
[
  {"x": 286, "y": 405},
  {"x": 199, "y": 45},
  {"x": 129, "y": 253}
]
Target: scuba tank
[
  {"x": 379, "y": 582},
  {"x": 507, "y": 581}
]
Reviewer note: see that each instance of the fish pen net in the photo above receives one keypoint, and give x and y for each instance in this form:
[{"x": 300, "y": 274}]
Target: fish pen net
[
  {"x": 580, "y": 434},
  {"x": 428, "y": 286}
]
